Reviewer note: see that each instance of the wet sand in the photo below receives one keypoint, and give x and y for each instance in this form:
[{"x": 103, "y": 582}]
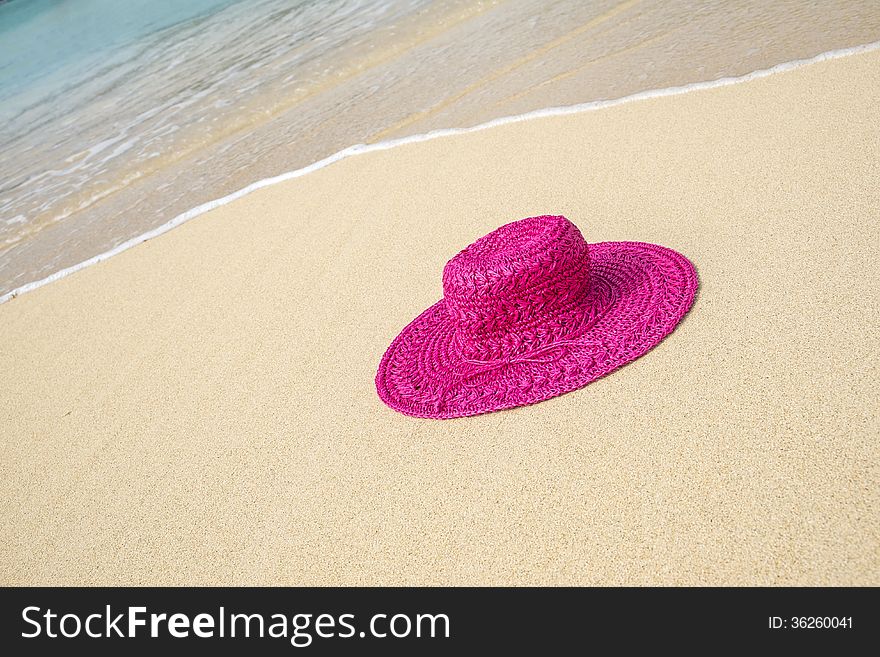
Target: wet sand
[{"x": 463, "y": 64}]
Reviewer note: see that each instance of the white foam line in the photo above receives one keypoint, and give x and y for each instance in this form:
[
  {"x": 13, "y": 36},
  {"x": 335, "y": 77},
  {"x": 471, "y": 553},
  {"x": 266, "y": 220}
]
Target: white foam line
[{"x": 359, "y": 149}]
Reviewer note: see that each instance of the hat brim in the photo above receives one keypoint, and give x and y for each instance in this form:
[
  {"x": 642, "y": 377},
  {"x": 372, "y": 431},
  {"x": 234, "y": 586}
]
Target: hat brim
[{"x": 652, "y": 288}]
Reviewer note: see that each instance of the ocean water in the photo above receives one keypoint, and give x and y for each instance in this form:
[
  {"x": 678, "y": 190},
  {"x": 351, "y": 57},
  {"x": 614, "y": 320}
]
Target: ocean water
[
  {"x": 116, "y": 116},
  {"x": 95, "y": 94}
]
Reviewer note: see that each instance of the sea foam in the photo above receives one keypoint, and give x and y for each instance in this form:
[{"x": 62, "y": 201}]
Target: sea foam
[{"x": 359, "y": 149}]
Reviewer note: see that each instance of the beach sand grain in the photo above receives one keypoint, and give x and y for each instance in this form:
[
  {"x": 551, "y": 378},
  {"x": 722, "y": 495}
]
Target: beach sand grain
[{"x": 201, "y": 409}]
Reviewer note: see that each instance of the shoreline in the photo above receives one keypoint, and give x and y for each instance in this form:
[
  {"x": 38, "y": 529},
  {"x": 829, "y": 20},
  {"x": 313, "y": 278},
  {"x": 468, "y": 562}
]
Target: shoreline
[{"x": 360, "y": 149}]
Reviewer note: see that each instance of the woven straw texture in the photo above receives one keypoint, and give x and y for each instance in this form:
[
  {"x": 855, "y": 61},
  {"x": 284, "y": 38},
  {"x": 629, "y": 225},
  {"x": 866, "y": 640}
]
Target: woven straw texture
[{"x": 529, "y": 312}]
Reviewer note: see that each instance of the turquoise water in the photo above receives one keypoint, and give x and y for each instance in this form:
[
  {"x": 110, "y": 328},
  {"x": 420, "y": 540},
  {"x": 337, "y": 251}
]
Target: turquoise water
[
  {"x": 98, "y": 94},
  {"x": 61, "y": 40}
]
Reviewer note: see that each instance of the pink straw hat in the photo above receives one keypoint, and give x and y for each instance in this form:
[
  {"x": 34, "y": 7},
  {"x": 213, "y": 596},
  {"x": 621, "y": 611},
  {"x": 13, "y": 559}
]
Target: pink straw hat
[{"x": 530, "y": 311}]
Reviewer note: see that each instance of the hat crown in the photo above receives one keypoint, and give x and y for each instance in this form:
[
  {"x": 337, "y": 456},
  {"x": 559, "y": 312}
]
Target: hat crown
[{"x": 518, "y": 288}]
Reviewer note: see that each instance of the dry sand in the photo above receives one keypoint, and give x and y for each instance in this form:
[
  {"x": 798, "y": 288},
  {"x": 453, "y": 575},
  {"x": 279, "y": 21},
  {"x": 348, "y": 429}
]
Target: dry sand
[{"x": 201, "y": 409}]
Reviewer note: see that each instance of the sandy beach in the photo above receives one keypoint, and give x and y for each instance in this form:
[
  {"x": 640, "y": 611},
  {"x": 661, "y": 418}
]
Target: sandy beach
[{"x": 201, "y": 408}]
